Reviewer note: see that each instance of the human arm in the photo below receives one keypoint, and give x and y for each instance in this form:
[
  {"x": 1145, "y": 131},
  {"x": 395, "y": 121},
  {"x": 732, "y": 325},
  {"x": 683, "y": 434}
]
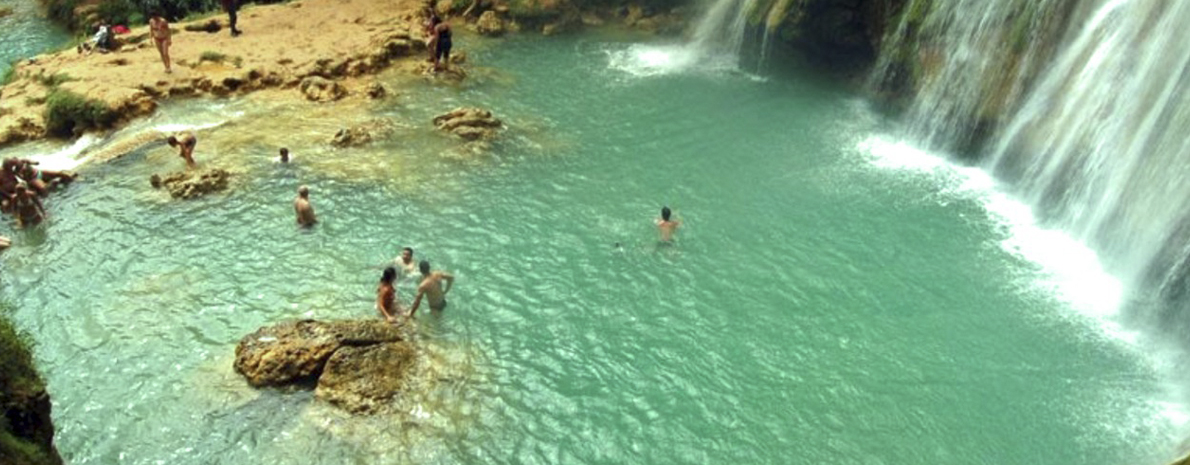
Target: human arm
[
  {"x": 417, "y": 301},
  {"x": 450, "y": 282}
]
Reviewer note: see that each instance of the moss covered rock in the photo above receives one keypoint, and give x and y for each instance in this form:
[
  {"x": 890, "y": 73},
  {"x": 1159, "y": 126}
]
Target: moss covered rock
[{"x": 26, "y": 432}]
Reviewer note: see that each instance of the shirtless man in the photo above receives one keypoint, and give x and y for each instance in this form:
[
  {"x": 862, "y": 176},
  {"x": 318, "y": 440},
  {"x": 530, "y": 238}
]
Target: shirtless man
[
  {"x": 185, "y": 143},
  {"x": 303, "y": 209},
  {"x": 159, "y": 29},
  {"x": 41, "y": 181},
  {"x": 431, "y": 288},
  {"x": 405, "y": 262},
  {"x": 28, "y": 207},
  {"x": 8, "y": 183},
  {"x": 667, "y": 227},
  {"x": 284, "y": 158},
  {"x": 386, "y": 296}
]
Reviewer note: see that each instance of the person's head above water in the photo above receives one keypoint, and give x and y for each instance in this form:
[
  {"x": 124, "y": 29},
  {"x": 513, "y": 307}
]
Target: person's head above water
[
  {"x": 389, "y": 275},
  {"x": 284, "y": 154},
  {"x": 407, "y": 253},
  {"x": 173, "y": 141},
  {"x": 665, "y": 212},
  {"x": 424, "y": 266},
  {"x": 304, "y": 191}
]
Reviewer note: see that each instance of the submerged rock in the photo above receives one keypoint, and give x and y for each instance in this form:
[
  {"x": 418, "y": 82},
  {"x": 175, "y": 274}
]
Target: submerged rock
[
  {"x": 192, "y": 184},
  {"x": 362, "y": 134},
  {"x": 297, "y": 351},
  {"x": 320, "y": 89},
  {"x": 469, "y": 123},
  {"x": 357, "y": 365},
  {"x": 365, "y": 379}
]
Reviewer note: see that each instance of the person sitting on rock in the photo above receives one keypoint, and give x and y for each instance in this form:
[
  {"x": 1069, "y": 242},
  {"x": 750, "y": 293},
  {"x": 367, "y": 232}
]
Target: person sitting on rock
[
  {"x": 303, "y": 209},
  {"x": 28, "y": 207},
  {"x": 185, "y": 143},
  {"x": 102, "y": 40},
  {"x": 386, "y": 296},
  {"x": 41, "y": 181}
]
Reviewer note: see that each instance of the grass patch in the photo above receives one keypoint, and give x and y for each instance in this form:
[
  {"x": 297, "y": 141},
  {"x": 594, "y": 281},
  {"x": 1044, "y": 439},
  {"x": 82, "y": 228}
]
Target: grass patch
[
  {"x": 67, "y": 113},
  {"x": 9, "y": 75},
  {"x": 211, "y": 56},
  {"x": 54, "y": 80}
]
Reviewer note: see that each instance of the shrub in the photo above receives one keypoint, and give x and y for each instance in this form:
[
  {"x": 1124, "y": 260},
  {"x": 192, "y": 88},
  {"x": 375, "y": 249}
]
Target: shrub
[
  {"x": 67, "y": 112},
  {"x": 116, "y": 11},
  {"x": 212, "y": 56},
  {"x": 53, "y": 80},
  {"x": 17, "y": 378}
]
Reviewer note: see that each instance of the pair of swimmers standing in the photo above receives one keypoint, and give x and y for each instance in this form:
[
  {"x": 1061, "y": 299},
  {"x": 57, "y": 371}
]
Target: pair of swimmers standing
[{"x": 430, "y": 288}]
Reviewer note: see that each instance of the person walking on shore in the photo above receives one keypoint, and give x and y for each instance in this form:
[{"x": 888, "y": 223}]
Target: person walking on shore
[
  {"x": 231, "y": 6},
  {"x": 159, "y": 28},
  {"x": 303, "y": 209}
]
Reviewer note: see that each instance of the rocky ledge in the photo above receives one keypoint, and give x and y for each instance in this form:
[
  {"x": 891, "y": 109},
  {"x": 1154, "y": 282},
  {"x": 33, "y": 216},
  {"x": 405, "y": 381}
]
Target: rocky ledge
[
  {"x": 192, "y": 184},
  {"x": 357, "y": 365},
  {"x": 469, "y": 123}
]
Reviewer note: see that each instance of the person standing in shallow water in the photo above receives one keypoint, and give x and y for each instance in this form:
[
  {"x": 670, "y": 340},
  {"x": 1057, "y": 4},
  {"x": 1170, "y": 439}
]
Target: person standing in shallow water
[
  {"x": 159, "y": 28},
  {"x": 405, "y": 262},
  {"x": 303, "y": 209},
  {"x": 431, "y": 288},
  {"x": 442, "y": 37},
  {"x": 231, "y": 6},
  {"x": 185, "y": 143},
  {"x": 284, "y": 158},
  {"x": 386, "y": 296},
  {"x": 667, "y": 227}
]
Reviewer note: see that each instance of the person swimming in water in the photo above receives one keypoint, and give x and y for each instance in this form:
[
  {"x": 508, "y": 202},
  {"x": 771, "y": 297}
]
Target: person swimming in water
[
  {"x": 431, "y": 288},
  {"x": 303, "y": 208},
  {"x": 667, "y": 227},
  {"x": 405, "y": 262},
  {"x": 284, "y": 158},
  {"x": 185, "y": 143},
  {"x": 39, "y": 180},
  {"x": 27, "y": 206},
  {"x": 386, "y": 296}
]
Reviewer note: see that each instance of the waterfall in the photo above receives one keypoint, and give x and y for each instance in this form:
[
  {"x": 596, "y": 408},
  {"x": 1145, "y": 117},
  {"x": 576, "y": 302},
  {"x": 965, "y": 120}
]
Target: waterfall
[
  {"x": 722, "y": 29},
  {"x": 1080, "y": 105}
]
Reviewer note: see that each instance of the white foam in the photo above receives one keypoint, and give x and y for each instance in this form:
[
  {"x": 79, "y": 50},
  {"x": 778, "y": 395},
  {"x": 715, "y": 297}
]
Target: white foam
[
  {"x": 179, "y": 127},
  {"x": 640, "y": 60},
  {"x": 68, "y": 157},
  {"x": 1070, "y": 270}
]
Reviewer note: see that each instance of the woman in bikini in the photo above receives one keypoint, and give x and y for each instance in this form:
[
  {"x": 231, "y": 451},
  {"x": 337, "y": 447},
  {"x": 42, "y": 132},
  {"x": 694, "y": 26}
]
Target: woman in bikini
[
  {"x": 39, "y": 180},
  {"x": 160, "y": 29}
]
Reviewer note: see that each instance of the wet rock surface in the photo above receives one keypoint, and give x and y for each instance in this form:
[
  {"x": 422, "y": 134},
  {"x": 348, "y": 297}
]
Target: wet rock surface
[
  {"x": 362, "y": 134},
  {"x": 469, "y": 123},
  {"x": 320, "y": 89},
  {"x": 357, "y": 365},
  {"x": 192, "y": 184}
]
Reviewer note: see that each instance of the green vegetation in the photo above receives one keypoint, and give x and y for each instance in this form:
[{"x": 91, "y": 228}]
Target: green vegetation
[
  {"x": 54, "y": 80},
  {"x": 9, "y": 74},
  {"x": 18, "y": 380},
  {"x": 67, "y": 112},
  {"x": 212, "y": 56}
]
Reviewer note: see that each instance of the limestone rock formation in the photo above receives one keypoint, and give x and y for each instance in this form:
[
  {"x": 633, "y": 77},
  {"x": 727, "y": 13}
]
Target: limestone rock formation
[
  {"x": 376, "y": 90},
  {"x": 469, "y": 123},
  {"x": 357, "y": 365},
  {"x": 189, "y": 185},
  {"x": 320, "y": 89},
  {"x": 489, "y": 24},
  {"x": 362, "y": 134},
  {"x": 363, "y": 379}
]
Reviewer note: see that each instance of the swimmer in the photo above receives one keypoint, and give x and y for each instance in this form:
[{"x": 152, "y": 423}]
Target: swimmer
[
  {"x": 405, "y": 262},
  {"x": 28, "y": 207},
  {"x": 431, "y": 288},
  {"x": 185, "y": 143},
  {"x": 386, "y": 296},
  {"x": 667, "y": 227},
  {"x": 284, "y": 158},
  {"x": 303, "y": 209},
  {"x": 41, "y": 181}
]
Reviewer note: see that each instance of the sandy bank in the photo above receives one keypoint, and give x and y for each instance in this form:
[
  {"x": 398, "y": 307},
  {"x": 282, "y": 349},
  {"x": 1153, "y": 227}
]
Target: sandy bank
[{"x": 281, "y": 46}]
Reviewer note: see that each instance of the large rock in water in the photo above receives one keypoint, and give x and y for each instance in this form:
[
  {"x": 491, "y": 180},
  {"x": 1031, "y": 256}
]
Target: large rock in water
[
  {"x": 469, "y": 123},
  {"x": 362, "y": 134},
  {"x": 320, "y": 89},
  {"x": 489, "y": 24},
  {"x": 296, "y": 352},
  {"x": 365, "y": 379},
  {"x": 192, "y": 184}
]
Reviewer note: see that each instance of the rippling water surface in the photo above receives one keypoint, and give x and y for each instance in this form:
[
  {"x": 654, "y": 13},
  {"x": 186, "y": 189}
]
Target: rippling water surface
[
  {"x": 26, "y": 32},
  {"x": 832, "y": 298}
]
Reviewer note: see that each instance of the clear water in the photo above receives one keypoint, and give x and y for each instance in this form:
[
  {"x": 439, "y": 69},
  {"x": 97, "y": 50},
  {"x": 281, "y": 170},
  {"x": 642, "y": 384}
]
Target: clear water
[
  {"x": 27, "y": 32},
  {"x": 834, "y": 296}
]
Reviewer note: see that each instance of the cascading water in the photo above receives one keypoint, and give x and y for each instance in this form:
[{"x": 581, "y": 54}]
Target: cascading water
[
  {"x": 1079, "y": 104},
  {"x": 722, "y": 30}
]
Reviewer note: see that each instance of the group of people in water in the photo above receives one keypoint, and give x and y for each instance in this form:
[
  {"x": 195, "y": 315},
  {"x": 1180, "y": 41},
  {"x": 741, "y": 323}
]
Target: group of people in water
[
  {"x": 432, "y": 287},
  {"x": 23, "y": 184}
]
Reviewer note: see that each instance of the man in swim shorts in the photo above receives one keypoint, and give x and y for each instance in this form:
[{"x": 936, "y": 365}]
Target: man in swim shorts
[
  {"x": 185, "y": 143},
  {"x": 431, "y": 288}
]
